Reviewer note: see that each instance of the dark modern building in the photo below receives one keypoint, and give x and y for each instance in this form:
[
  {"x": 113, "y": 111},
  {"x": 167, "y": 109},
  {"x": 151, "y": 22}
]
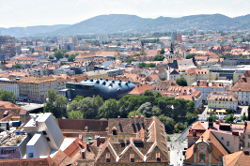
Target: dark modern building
[{"x": 102, "y": 87}]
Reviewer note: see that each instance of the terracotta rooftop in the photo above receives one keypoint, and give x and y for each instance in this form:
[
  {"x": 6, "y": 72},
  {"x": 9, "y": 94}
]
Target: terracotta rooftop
[
  {"x": 243, "y": 84},
  {"x": 223, "y": 96},
  {"x": 140, "y": 89},
  {"x": 209, "y": 137},
  {"x": 8, "y": 109},
  {"x": 237, "y": 159}
]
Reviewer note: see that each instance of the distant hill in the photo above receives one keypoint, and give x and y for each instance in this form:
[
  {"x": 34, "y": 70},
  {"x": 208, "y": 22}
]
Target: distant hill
[
  {"x": 122, "y": 23},
  {"x": 31, "y": 30}
]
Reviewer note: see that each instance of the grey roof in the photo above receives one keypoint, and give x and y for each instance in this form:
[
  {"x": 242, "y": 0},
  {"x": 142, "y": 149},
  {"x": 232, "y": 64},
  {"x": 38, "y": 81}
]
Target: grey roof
[{"x": 104, "y": 87}]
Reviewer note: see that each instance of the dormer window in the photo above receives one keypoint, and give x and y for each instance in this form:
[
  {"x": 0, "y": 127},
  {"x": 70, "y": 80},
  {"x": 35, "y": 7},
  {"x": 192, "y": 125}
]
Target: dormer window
[
  {"x": 107, "y": 157},
  {"x": 114, "y": 131},
  {"x": 132, "y": 157},
  {"x": 120, "y": 126},
  {"x": 158, "y": 157}
]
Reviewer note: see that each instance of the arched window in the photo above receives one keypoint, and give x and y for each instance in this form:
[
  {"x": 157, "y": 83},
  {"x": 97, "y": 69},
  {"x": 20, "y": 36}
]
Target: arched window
[{"x": 202, "y": 158}]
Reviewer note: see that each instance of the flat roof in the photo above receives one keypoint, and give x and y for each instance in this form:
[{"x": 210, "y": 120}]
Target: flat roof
[
  {"x": 34, "y": 139},
  {"x": 30, "y": 106}
]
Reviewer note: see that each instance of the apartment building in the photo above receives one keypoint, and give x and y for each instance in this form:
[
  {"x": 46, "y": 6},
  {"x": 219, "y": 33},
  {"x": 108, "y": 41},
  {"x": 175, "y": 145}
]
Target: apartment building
[
  {"x": 242, "y": 89},
  {"x": 9, "y": 85},
  {"x": 206, "y": 87},
  {"x": 223, "y": 100},
  {"x": 34, "y": 89}
]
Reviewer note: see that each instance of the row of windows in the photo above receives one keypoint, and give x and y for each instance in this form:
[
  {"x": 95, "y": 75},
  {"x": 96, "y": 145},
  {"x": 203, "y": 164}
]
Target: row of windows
[{"x": 132, "y": 157}]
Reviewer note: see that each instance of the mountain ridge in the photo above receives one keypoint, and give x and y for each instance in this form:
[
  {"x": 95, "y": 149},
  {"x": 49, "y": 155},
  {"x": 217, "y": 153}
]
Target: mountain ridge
[{"x": 125, "y": 23}]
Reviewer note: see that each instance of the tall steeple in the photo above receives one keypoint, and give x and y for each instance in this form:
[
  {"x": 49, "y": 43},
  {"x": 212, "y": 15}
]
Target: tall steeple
[{"x": 172, "y": 48}]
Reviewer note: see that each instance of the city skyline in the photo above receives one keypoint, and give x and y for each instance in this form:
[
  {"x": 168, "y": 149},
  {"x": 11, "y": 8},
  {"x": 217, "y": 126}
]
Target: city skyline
[{"x": 27, "y": 13}]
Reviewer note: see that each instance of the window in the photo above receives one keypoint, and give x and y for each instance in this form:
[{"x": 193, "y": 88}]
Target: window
[
  {"x": 47, "y": 138},
  {"x": 132, "y": 157},
  {"x": 122, "y": 144},
  {"x": 248, "y": 145},
  {"x": 158, "y": 157},
  {"x": 202, "y": 158},
  {"x": 248, "y": 136},
  {"x": 134, "y": 128},
  {"x": 107, "y": 157},
  {"x": 30, "y": 155},
  {"x": 228, "y": 143},
  {"x": 120, "y": 126},
  {"x": 222, "y": 138},
  {"x": 114, "y": 132}
]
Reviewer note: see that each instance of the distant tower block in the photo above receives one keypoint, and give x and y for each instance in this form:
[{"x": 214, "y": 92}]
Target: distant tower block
[{"x": 142, "y": 47}]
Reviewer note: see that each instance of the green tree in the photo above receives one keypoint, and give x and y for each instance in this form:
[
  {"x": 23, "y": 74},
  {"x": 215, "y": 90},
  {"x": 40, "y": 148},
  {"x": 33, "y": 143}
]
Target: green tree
[
  {"x": 89, "y": 106},
  {"x": 154, "y": 94},
  {"x": 181, "y": 81},
  {"x": 162, "y": 52},
  {"x": 130, "y": 60},
  {"x": 51, "y": 57},
  {"x": 179, "y": 127},
  {"x": 72, "y": 57},
  {"x": 109, "y": 109},
  {"x": 212, "y": 117},
  {"x": 229, "y": 118},
  {"x": 146, "y": 109},
  {"x": 7, "y": 96},
  {"x": 168, "y": 122},
  {"x": 78, "y": 98},
  {"x": 59, "y": 54},
  {"x": 159, "y": 58},
  {"x": 134, "y": 113},
  {"x": 142, "y": 65},
  {"x": 190, "y": 56},
  {"x": 156, "y": 111},
  {"x": 191, "y": 117},
  {"x": 75, "y": 115},
  {"x": 244, "y": 117},
  {"x": 18, "y": 66},
  {"x": 55, "y": 104}
]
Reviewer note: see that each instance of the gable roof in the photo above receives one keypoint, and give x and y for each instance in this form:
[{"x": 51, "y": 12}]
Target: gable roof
[
  {"x": 209, "y": 137},
  {"x": 174, "y": 72},
  {"x": 238, "y": 158},
  {"x": 199, "y": 126}
]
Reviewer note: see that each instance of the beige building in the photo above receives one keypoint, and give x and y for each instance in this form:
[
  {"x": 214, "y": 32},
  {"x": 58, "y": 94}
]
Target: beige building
[
  {"x": 223, "y": 100},
  {"x": 242, "y": 89},
  {"x": 35, "y": 88}
]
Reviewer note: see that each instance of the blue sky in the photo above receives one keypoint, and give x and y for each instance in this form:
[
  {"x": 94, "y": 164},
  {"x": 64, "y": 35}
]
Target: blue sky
[{"x": 48, "y": 12}]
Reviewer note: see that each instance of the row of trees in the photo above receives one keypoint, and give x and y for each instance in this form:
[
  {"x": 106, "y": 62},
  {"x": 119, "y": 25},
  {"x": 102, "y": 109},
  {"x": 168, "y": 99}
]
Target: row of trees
[
  {"x": 59, "y": 54},
  {"x": 176, "y": 114},
  {"x": 7, "y": 96},
  {"x": 146, "y": 65}
]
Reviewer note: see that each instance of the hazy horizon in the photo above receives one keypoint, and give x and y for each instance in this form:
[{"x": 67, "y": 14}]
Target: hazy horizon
[{"x": 16, "y": 13}]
